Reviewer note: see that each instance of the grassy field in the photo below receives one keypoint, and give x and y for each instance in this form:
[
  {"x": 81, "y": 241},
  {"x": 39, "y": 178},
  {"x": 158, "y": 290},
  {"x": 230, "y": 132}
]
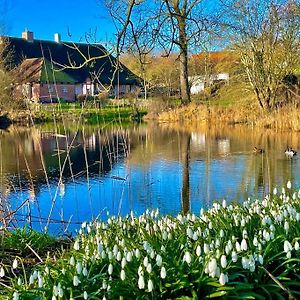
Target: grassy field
[{"x": 233, "y": 251}]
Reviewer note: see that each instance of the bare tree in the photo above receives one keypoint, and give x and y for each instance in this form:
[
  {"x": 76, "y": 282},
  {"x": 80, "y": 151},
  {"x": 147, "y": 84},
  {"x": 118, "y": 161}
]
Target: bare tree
[
  {"x": 266, "y": 36},
  {"x": 170, "y": 25}
]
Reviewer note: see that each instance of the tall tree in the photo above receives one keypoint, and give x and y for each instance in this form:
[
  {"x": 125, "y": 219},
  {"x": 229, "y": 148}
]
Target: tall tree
[
  {"x": 170, "y": 25},
  {"x": 266, "y": 36}
]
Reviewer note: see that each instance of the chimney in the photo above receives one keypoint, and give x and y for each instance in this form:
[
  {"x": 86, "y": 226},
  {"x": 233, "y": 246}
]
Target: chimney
[
  {"x": 27, "y": 35},
  {"x": 57, "y": 38}
]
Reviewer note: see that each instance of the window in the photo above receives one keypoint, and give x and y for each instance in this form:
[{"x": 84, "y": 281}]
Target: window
[
  {"x": 65, "y": 90},
  {"x": 50, "y": 89}
]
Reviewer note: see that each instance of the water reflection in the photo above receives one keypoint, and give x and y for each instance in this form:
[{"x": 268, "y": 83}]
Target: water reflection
[{"x": 68, "y": 175}]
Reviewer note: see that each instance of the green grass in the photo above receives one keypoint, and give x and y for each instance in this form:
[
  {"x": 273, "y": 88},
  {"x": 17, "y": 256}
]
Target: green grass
[
  {"x": 88, "y": 114},
  {"x": 235, "y": 251}
]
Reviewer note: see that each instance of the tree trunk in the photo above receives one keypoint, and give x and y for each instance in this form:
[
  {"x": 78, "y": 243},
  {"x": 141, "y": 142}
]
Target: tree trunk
[
  {"x": 183, "y": 62},
  {"x": 185, "y": 192}
]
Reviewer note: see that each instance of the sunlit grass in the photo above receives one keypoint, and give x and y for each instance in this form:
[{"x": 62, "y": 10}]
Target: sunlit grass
[{"x": 238, "y": 251}]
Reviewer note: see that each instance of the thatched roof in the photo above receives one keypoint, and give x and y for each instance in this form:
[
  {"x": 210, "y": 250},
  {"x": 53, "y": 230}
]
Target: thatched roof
[{"x": 63, "y": 54}]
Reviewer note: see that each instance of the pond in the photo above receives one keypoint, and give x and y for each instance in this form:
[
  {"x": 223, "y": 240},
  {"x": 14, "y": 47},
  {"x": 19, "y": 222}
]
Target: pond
[{"x": 58, "y": 177}]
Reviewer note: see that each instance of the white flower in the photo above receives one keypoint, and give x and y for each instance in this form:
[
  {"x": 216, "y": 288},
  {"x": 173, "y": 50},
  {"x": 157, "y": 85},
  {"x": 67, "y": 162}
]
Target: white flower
[
  {"x": 119, "y": 256},
  {"x": 224, "y": 204},
  {"x": 289, "y": 255},
  {"x": 244, "y": 246},
  {"x": 53, "y": 297},
  {"x": 129, "y": 256},
  {"x": 149, "y": 268},
  {"x": 286, "y": 226},
  {"x": 287, "y": 246},
  {"x": 234, "y": 256},
  {"x": 123, "y": 262},
  {"x": 150, "y": 285},
  {"x": 163, "y": 273},
  {"x": 289, "y": 185},
  {"x": 85, "y": 295},
  {"x": 40, "y": 281},
  {"x": 212, "y": 266},
  {"x": 15, "y": 296},
  {"x": 15, "y": 263},
  {"x": 296, "y": 248},
  {"x": 146, "y": 261},
  {"x": 110, "y": 269},
  {"x": 275, "y": 191},
  {"x": 223, "y": 261},
  {"x": 158, "y": 260},
  {"x": 255, "y": 241},
  {"x": 141, "y": 282},
  {"x": 137, "y": 253},
  {"x": 72, "y": 261},
  {"x": 140, "y": 271},
  {"x": 222, "y": 279},
  {"x": 2, "y": 272},
  {"x": 85, "y": 271},
  {"x": 187, "y": 257},
  {"x": 76, "y": 245},
  {"x": 237, "y": 246},
  {"x": 206, "y": 248},
  {"x": 76, "y": 280},
  {"x": 261, "y": 259},
  {"x": 122, "y": 275},
  {"x": 198, "y": 250},
  {"x": 78, "y": 267},
  {"x": 60, "y": 292}
]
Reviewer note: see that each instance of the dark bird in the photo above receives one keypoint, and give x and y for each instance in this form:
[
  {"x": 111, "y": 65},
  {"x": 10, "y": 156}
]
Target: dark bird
[
  {"x": 258, "y": 150},
  {"x": 290, "y": 152}
]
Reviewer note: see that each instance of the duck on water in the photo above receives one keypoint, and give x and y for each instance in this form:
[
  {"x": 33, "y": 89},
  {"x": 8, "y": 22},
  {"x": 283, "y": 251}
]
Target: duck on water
[{"x": 290, "y": 152}]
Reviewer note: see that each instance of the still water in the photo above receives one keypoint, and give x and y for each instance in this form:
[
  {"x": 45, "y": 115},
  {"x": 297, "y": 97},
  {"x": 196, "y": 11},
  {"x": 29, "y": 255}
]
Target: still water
[{"x": 65, "y": 175}]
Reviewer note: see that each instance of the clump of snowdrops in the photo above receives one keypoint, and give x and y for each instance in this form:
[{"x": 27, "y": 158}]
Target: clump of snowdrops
[{"x": 248, "y": 250}]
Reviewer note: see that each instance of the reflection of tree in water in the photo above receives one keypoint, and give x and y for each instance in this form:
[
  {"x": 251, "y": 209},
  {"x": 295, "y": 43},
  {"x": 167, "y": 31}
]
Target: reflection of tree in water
[{"x": 185, "y": 161}]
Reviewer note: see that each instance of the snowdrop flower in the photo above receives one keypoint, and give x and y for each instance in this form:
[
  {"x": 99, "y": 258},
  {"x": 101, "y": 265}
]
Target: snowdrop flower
[
  {"x": 222, "y": 233},
  {"x": 78, "y": 267},
  {"x": 110, "y": 269},
  {"x": 163, "y": 273},
  {"x": 289, "y": 255},
  {"x": 206, "y": 248},
  {"x": 76, "y": 280},
  {"x": 2, "y": 272},
  {"x": 158, "y": 260},
  {"x": 137, "y": 253},
  {"x": 40, "y": 282},
  {"x": 76, "y": 245},
  {"x": 245, "y": 263},
  {"x": 72, "y": 261},
  {"x": 15, "y": 296},
  {"x": 53, "y": 297},
  {"x": 255, "y": 241},
  {"x": 234, "y": 256},
  {"x": 85, "y": 272},
  {"x": 129, "y": 256},
  {"x": 146, "y": 261},
  {"x": 212, "y": 266},
  {"x": 187, "y": 257},
  {"x": 150, "y": 285},
  {"x": 296, "y": 248},
  {"x": 222, "y": 279},
  {"x": 237, "y": 246},
  {"x": 224, "y": 204},
  {"x": 122, "y": 275},
  {"x": 141, "y": 283},
  {"x": 15, "y": 263},
  {"x": 289, "y": 185},
  {"x": 275, "y": 191},
  {"x": 286, "y": 226},
  {"x": 19, "y": 281},
  {"x": 198, "y": 250},
  {"x": 119, "y": 256},
  {"x": 223, "y": 261},
  {"x": 244, "y": 246},
  {"x": 85, "y": 295},
  {"x": 261, "y": 259},
  {"x": 123, "y": 262},
  {"x": 149, "y": 268}
]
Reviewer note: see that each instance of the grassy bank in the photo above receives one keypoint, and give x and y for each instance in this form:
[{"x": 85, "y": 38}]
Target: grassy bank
[
  {"x": 88, "y": 114},
  {"x": 236, "y": 251}
]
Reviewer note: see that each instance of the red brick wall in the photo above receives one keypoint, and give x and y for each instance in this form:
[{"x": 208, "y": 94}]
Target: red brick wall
[{"x": 62, "y": 91}]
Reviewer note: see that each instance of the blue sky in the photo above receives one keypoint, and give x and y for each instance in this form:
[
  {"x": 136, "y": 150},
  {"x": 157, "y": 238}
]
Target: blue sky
[{"x": 45, "y": 17}]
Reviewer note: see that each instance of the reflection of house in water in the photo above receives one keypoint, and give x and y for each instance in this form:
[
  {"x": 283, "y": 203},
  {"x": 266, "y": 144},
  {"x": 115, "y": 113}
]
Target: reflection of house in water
[
  {"x": 198, "y": 141},
  {"x": 224, "y": 146}
]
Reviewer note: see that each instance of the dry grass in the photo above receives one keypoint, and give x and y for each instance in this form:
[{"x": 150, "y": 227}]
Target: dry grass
[{"x": 286, "y": 118}]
